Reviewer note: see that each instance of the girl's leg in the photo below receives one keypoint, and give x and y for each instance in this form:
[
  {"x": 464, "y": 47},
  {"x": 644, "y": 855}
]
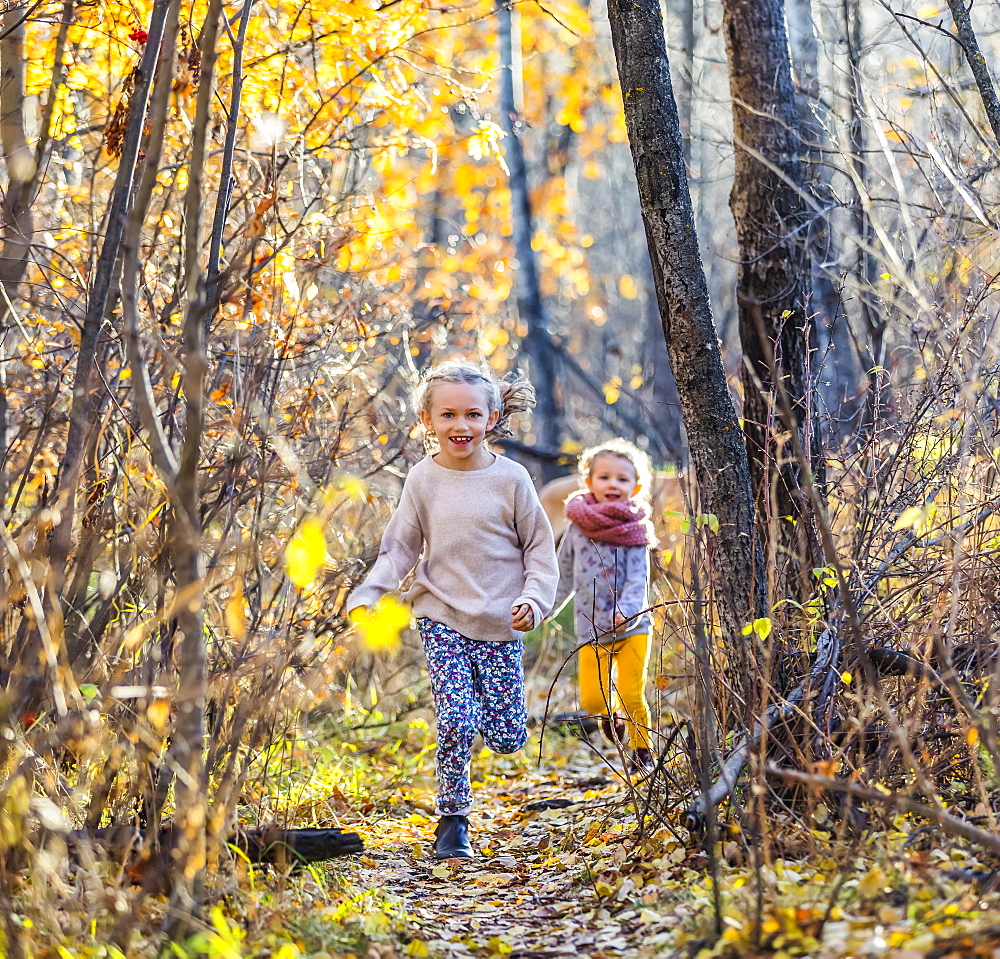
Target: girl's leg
[
  {"x": 499, "y": 677},
  {"x": 632, "y": 655},
  {"x": 597, "y": 695},
  {"x": 458, "y": 713}
]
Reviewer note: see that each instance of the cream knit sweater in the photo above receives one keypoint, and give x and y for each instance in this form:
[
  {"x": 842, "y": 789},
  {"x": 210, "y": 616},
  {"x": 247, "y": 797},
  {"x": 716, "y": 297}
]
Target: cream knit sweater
[{"x": 487, "y": 546}]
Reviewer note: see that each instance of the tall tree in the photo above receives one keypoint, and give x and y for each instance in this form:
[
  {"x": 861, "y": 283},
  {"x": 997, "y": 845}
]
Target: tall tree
[
  {"x": 838, "y": 369},
  {"x": 769, "y": 205},
  {"x": 861, "y": 267},
  {"x": 528, "y": 290},
  {"x": 17, "y": 226},
  {"x": 714, "y": 438},
  {"x": 16, "y": 221},
  {"x": 980, "y": 68}
]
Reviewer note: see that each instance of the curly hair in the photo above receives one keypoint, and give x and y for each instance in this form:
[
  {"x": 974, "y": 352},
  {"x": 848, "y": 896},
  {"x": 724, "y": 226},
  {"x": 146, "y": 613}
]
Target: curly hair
[
  {"x": 508, "y": 395},
  {"x": 640, "y": 461}
]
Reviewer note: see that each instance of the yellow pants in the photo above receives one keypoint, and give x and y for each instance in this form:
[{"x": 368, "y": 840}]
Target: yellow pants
[{"x": 601, "y": 695}]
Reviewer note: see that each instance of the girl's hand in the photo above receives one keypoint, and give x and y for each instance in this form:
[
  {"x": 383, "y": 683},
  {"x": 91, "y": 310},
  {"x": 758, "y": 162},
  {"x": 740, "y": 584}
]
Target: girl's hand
[
  {"x": 620, "y": 619},
  {"x": 522, "y": 618}
]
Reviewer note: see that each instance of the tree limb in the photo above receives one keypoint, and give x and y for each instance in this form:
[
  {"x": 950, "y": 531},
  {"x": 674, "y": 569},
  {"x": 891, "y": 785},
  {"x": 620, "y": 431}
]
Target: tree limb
[
  {"x": 935, "y": 813},
  {"x": 83, "y": 410}
]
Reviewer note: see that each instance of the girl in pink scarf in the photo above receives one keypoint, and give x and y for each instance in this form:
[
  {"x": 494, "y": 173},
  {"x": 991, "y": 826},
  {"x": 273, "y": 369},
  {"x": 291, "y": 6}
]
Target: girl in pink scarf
[{"x": 604, "y": 563}]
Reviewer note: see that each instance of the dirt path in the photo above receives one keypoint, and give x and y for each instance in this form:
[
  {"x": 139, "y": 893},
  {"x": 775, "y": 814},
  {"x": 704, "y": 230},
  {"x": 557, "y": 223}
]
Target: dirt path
[{"x": 540, "y": 886}]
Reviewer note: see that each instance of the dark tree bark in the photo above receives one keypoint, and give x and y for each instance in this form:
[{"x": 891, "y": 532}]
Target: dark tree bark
[
  {"x": 530, "y": 305},
  {"x": 771, "y": 214},
  {"x": 714, "y": 438},
  {"x": 980, "y": 70}
]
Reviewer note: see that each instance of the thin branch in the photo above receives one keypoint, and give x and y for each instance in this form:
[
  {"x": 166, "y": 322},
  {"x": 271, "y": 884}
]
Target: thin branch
[
  {"x": 226, "y": 175},
  {"x": 163, "y": 456},
  {"x": 58, "y": 72},
  {"x": 82, "y": 412},
  {"x": 935, "y": 813}
]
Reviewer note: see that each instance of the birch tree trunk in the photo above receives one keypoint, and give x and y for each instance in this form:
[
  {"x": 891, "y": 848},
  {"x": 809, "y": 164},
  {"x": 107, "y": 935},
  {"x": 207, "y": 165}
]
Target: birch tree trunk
[
  {"x": 774, "y": 288},
  {"x": 17, "y": 225},
  {"x": 714, "y": 437}
]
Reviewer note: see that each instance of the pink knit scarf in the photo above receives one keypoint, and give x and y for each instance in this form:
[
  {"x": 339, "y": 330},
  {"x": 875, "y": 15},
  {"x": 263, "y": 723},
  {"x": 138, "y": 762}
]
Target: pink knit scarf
[{"x": 620, "y": 523}]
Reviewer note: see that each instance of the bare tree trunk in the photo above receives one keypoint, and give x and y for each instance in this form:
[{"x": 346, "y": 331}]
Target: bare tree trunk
[
  {"x": 771, "y": 214},
  {"x": 16, "y": 222},
  {"x": 980, "y": 69},
  {"x": 683, "y": 11},
  {"x": 530, "y": 306},
  {"x": 83, "y": 411},
  {"x": 187, "y": 753},
  {"x": 17, "y": 226},
  {"x": 838, "y": 372},
  {"x": 872, "y": 322},
  {"x": 714, "y": 437}
]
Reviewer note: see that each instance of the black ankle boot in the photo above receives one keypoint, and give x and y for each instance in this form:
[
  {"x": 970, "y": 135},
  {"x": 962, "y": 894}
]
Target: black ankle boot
[
  {"x": 453, "y": 838},
  {"x": 641, "y": 766}
]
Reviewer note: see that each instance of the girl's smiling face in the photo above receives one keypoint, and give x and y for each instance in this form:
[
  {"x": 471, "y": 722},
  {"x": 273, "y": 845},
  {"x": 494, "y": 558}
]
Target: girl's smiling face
[
  {"x": 459, "y": 417},
  {"x": 612, "y": 478}
]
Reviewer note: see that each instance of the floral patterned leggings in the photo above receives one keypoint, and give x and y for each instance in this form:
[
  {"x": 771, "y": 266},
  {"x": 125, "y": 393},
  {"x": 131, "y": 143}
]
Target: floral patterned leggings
[{"x": 478, "y": 687}]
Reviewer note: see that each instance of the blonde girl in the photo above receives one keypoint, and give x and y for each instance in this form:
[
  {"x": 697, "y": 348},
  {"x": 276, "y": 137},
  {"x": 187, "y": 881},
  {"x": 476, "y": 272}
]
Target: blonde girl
[
  {"x": 469, "y": 520},
  {"x": 604, "y": 563}
]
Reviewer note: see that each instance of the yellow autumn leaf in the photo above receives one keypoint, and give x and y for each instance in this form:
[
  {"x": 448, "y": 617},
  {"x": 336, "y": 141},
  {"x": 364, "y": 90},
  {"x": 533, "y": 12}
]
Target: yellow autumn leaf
[
  {"x": 380, "y": 626},
  {"x": 911, "y": 517},
  {"x": 627, "y": 286},
  {"x": 158, "y": 712},
  {"x": 347, "y": 485},
  {"x": 305, "y": 553},
  {"x": 236, "y": 617}
]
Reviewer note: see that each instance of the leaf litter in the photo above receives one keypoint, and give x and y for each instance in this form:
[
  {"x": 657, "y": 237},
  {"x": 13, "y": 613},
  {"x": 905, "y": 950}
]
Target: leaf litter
[{"x": 561, "y": 872}]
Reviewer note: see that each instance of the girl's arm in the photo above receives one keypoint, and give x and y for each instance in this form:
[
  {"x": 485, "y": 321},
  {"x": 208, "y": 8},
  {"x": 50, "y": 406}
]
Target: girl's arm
[
  {"x": 634, "y": 592},
  {"x": 397, "y": 555},
  {"x": 541, "y": 573}
]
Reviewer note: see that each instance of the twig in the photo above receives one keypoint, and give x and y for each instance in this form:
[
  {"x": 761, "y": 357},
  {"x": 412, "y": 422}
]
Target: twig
[{"x": 937, "y": 814}]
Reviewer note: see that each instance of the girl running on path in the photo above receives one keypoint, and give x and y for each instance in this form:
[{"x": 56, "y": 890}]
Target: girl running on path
[
  {"x": 604, "y": 561},
  {"x": 470, "y": 521}
]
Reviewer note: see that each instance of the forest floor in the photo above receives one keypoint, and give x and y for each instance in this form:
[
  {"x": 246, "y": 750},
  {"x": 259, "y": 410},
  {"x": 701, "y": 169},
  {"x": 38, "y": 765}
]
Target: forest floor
[
  {"x": 578, "y": 878},
  {"x": 573, "y": 860},
  {"x": 553, "y": 847}
]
